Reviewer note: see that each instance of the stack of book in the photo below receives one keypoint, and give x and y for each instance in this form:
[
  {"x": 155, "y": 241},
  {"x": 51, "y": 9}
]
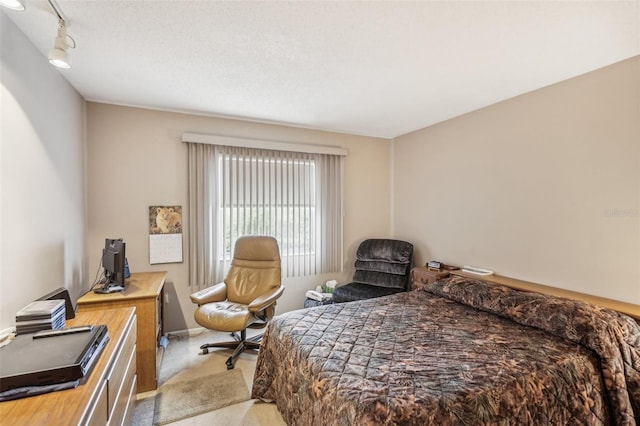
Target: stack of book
[{"x": 41, "y": 315}]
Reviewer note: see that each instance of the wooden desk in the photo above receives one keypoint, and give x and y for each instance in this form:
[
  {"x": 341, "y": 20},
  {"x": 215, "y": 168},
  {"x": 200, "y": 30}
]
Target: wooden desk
[
  {"x": 107, "y": 396},
  {"x": 145, "y": 292}
]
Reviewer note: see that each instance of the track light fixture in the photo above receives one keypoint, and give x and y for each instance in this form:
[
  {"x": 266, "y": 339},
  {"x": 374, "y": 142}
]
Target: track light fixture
[
  {"x": 59, "y": 56},
  {"x": 12, "y": 4}
]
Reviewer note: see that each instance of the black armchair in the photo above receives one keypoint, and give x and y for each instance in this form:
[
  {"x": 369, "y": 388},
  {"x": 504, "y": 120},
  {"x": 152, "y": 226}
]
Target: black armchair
[{"x": 382, "y": 269}]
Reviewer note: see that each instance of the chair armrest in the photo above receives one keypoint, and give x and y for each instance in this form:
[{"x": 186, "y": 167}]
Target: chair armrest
[
  {"x": 215, "y": 293},
  {"x": 263, "y": 301}
]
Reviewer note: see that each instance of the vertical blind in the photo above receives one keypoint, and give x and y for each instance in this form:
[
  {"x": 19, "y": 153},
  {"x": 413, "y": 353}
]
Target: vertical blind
[{"x": 295, "y": 197}]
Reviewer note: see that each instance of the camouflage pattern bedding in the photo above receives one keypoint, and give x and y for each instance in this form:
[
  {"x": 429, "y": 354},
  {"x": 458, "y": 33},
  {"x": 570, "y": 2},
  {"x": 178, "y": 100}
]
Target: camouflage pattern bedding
[{"x": 457, "y": 352}]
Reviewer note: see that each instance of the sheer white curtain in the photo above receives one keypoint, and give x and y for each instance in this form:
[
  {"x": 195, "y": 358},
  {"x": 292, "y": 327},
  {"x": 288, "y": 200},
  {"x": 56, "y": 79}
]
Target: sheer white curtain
[{"x": 295, "y": 197}]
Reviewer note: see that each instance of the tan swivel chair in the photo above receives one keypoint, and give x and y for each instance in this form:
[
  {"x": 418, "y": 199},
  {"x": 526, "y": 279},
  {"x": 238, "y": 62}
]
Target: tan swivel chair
[{"x": 246, "y": 298}]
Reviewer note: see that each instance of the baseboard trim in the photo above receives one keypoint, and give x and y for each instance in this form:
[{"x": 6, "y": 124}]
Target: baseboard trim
[{"x": 188, "y": 332}]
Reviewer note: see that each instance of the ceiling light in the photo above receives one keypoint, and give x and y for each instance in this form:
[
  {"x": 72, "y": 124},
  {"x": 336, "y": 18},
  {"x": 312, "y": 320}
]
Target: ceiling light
[
  {"x": 12, "y": 4},
  {"x": 59, "y": 56}
]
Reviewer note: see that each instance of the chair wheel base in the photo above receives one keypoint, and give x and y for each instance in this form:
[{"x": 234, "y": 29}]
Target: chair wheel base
[{"x": 239, "y": 345}]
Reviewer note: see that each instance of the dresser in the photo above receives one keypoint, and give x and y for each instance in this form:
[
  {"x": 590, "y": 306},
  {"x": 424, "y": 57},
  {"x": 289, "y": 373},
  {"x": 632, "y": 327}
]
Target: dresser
[
  {"x": 145, "y": 292},
  {"x": 108, "y": 394}
]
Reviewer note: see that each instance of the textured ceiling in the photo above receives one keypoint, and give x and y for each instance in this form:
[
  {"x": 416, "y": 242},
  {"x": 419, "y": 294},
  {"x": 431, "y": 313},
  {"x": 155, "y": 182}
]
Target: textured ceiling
[{"x": 368, "y": 68}]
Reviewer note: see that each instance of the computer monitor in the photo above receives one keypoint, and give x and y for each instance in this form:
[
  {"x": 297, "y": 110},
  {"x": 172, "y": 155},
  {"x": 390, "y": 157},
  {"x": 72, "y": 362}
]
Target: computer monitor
[{"x": 113, "y": 262}]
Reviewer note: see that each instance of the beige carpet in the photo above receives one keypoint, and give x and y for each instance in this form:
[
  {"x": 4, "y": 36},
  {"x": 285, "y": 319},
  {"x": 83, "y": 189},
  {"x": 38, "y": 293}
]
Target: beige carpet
[
  {"x": 189, "y": 398},
  {"x": 183, "y": 362}
]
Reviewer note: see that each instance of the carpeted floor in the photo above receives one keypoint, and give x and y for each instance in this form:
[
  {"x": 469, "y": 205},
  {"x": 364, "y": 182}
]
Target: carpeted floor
[{"x": 182, "y": 363}]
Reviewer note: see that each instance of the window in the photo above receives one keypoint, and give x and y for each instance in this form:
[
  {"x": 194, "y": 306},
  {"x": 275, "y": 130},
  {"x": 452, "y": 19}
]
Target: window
[{"x": 295, "y": 197}]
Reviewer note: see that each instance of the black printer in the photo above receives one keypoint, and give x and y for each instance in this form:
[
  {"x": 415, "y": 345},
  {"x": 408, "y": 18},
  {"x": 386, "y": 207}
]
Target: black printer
[{"x": 51, "y": 357}]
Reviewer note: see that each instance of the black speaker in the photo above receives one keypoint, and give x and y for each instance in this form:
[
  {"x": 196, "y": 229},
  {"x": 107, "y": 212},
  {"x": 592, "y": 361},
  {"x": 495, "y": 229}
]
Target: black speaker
[{"x": 61, "y": 293}]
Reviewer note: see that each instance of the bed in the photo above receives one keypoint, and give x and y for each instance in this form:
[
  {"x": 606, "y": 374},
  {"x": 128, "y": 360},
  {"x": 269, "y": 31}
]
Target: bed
[{"x": 459, "y": 351}]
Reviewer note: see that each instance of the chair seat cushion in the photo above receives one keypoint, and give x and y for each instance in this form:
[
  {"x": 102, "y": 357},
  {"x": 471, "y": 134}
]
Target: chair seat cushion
[
  {"x": 360, "y": 291},
  {"x": 224, "y": 316}
]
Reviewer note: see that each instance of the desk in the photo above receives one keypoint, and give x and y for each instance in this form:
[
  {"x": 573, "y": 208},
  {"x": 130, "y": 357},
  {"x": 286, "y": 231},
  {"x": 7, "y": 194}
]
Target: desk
[
  {"x": 109, "y": 393},
  {"x": 145, "y": 292}
]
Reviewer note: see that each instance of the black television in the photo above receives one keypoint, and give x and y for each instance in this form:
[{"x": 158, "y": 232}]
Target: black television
[{"x": 114, "y": 263}]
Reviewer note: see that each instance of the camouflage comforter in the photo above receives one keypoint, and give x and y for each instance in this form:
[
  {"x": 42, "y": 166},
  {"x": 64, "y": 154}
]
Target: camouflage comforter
[{"x": 457, "y": 352}]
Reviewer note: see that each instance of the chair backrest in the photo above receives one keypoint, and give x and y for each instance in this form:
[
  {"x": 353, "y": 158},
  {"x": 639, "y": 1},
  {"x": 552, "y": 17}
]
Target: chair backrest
[
  {"x": 384, "y": 263},
  {"x": 255, "y": 268}
]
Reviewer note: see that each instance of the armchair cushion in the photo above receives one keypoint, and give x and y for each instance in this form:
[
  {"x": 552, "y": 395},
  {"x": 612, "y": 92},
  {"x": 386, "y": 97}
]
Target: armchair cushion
[
  {"x": 360, "y": 291},
  {"x": 380, "y": 279},
  {"x": 245, "y": 284},
  {"x": 265, "y": 300},
  {"x": 223, "y": 316},
  {"x": 215, "y": 293},
  {"x": 385, "y": 250},
  {"x": 396, "y": 268}
]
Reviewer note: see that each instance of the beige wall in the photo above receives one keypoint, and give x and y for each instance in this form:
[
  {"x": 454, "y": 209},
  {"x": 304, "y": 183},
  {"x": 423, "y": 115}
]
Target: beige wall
[
  {"x": 136, "y": 159},
  {"x": 42, "y": 219},
  {"x": 544, "y": 187}
]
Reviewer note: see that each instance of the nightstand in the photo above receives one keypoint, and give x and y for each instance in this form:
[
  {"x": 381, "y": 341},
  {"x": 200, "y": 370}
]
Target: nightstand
[{"x": 421, "y": 275}]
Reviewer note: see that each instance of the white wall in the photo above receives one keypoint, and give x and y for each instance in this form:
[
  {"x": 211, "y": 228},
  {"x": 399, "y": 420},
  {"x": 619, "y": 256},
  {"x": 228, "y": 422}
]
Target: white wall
[
  {"x": 136, "y": 159},
  {"x": 42, "y": 223},
  {"x": 543, "y": 187}
]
